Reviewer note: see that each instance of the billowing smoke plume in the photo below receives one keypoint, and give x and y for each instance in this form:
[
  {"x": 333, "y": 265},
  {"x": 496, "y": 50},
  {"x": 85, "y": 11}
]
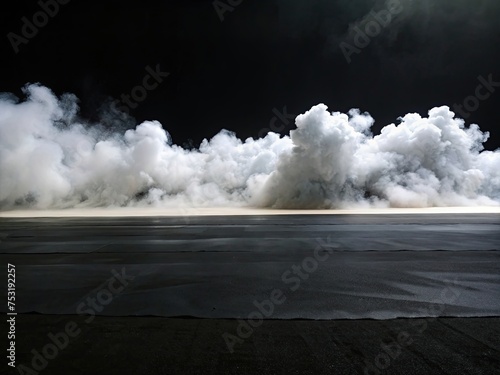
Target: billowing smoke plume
[{"x": 50, "y": 160}]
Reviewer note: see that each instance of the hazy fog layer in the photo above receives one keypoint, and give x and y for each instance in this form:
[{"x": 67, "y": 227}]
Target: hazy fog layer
[{"x": 50, "y": 160}]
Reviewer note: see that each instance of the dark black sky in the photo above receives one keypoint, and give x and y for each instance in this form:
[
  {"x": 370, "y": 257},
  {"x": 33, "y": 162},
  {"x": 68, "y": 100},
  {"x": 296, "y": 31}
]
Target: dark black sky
[{"x": 264, "y": 55}]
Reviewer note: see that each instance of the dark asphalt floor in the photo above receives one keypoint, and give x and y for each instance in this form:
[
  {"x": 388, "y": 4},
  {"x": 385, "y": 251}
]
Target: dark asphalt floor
[
  {"x": 152, "y": 346},
  {"x": 323, "y": 268}
]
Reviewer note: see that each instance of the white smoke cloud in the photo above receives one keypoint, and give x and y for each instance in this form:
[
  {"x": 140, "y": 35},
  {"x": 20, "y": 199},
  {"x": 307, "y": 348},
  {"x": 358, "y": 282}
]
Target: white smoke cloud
[{"x": 50, "y": 160}]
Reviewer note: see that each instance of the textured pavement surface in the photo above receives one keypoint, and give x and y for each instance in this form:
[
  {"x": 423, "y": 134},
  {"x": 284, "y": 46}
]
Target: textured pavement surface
[
  {"x": 318, "y": 281},
  {"x": 152, "y": 345},
  {"x": 325, "y": 267}
]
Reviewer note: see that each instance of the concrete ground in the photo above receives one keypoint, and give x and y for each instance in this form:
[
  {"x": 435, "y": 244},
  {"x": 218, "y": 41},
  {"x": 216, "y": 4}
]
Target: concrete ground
[
  {"x": 186, "y": 295},
  {"x": 154, "y": 345}
]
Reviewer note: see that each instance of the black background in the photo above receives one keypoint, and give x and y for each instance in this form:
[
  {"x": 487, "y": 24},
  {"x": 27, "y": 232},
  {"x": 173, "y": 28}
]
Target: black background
[{"x": 264, "y": 55}]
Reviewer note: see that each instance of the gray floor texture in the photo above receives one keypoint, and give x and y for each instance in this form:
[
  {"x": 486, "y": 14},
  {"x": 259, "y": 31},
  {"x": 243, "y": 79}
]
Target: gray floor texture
[{"x": 314, "y": 294}]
